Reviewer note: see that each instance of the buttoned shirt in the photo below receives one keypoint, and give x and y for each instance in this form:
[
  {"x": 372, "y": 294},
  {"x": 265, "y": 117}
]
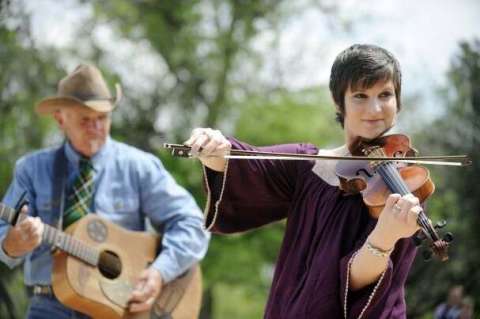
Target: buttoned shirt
[{"x": 131, "y": 186}]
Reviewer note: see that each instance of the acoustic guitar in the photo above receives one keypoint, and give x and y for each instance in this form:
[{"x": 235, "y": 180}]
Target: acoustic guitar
[{"x": 96, "y": 264}]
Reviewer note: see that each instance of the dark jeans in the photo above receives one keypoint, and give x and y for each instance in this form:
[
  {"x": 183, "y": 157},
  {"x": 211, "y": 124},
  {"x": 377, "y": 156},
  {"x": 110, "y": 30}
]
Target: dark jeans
[{"x": 48, "y": 307}]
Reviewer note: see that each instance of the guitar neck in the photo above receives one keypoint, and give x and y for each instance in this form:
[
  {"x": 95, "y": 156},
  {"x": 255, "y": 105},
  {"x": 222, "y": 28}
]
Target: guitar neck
[{"x": 58, "y": 239}]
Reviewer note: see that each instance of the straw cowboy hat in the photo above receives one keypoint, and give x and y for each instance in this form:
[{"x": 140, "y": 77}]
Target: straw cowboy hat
[{"x": 84, "y": 86}]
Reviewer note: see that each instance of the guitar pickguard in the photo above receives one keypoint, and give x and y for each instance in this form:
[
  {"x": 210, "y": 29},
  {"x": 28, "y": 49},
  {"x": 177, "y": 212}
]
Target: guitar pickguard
[{"x": 117, "y": 292}]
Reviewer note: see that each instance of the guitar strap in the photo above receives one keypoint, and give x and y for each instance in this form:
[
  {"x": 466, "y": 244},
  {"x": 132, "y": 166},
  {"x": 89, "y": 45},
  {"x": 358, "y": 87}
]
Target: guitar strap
[{"x": 59, "y": 183}]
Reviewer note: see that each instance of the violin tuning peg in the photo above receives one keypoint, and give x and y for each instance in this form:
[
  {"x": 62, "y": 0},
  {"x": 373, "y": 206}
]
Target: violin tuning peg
[
  {"x": 440, "y": 224},
  {"x": 427, "y": 255},
  {"x": 448, "y": 237}
]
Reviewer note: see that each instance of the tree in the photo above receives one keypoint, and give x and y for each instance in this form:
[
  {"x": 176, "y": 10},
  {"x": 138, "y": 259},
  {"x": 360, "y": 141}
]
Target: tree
[
  {"x": 27, "y": 76},
  {"x": 457, "y": 197}
]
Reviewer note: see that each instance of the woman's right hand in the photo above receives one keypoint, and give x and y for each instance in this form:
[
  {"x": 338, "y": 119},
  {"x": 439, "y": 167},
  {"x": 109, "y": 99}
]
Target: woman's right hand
[{"x": 209, "y": 146}]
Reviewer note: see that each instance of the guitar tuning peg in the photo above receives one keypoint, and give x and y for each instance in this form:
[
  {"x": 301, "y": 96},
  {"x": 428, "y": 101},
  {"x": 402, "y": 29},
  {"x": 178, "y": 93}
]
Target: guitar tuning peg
[
  {"x": 427, "y": 255},
  {"x": 448, "y": 237},
  {"x": 440, "y": 224}
]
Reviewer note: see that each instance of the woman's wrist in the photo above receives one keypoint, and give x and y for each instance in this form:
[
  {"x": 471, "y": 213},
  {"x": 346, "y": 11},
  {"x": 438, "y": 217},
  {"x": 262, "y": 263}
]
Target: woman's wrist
[{"x": 381, "y": 241}]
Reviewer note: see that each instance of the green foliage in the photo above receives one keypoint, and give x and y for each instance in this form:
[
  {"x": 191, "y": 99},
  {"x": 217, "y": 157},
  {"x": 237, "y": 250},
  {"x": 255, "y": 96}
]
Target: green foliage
[
  {"x": 457, "y": 197},
  {"x": 26, "y": 76},
  {"x": 202, "y": 44},
  {"x": 289, "y": 117}
]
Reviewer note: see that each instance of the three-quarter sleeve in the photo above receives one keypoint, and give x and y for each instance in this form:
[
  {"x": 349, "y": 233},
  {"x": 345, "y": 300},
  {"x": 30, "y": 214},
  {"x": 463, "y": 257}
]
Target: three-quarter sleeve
[
  {"x": 372, "y": 300},
  {"x": 251, "y": 193}
]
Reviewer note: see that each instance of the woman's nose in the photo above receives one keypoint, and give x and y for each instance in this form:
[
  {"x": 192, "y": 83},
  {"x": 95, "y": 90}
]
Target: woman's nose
[{"x": 375, "y": 105}]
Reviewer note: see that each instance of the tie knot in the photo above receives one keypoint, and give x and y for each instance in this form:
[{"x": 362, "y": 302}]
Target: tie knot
[{"x": 85, "y": 164}]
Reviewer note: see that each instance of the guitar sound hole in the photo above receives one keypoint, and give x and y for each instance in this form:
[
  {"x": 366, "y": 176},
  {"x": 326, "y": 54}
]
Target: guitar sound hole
[{"x": 109, "y": 264}]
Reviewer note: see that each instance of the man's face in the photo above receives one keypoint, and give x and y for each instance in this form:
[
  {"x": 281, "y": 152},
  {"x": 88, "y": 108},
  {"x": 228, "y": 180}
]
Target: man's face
[{"x": 86, "y": 129}]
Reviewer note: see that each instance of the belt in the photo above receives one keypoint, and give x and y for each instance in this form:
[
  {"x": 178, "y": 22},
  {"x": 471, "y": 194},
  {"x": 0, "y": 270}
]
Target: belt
[{"x": 41, "y": 290}]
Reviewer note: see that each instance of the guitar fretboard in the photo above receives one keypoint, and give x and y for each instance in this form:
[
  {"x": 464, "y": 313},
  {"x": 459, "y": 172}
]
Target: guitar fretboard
[{"x": 58, "y": 239}]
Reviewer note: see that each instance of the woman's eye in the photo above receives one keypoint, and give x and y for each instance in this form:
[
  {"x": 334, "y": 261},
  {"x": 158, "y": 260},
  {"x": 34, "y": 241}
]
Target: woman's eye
[
  {"x": 386, "y": 94},
  {"x": 360, "y": 96}
]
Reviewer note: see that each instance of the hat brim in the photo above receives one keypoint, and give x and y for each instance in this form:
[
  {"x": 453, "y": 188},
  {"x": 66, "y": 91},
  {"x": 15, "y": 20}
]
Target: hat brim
[{"x": 49, "y": 105}]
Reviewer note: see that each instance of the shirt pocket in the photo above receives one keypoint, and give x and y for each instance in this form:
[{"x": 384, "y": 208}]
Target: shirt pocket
[{"x": 119, "y": 204}]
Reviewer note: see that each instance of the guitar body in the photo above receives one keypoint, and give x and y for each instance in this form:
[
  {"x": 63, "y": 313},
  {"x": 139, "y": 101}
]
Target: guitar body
[{"x": 102, "y": 293}]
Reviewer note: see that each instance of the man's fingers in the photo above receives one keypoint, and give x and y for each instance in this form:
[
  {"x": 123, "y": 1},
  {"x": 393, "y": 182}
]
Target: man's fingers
[{"x": 142, "y": 306}]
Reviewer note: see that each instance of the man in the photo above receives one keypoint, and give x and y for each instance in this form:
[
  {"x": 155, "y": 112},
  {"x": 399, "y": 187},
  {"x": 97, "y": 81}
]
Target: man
[
  {"x": 102, "y": 176},
  {"x": 453, "y": 307}
]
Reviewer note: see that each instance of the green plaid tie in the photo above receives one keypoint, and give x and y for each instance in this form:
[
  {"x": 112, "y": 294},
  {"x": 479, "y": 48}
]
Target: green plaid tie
[{"x": 80, "y": 200}]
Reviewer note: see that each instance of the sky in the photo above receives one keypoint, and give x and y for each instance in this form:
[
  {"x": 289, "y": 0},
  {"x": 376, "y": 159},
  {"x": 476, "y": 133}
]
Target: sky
[{"x": 422, "y": 34}]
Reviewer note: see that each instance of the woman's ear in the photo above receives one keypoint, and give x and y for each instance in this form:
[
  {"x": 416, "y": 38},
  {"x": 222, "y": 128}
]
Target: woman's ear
[{"x": 337, "y": 108}]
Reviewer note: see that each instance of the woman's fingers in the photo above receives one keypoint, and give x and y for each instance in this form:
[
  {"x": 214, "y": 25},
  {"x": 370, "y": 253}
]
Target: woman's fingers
[{"x": 206, "y": 142}]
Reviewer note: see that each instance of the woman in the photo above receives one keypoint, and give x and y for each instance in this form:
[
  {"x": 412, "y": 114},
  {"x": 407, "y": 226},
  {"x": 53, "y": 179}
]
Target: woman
[{"x": 336, "y": 260}]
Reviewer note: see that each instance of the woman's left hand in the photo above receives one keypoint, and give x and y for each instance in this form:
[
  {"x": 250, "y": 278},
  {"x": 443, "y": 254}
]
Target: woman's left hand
[{"x": 397, "y": 220}]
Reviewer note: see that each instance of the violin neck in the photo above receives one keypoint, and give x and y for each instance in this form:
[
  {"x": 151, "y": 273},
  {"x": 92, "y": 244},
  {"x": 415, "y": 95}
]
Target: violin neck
[{"x": 392, "y": 178}]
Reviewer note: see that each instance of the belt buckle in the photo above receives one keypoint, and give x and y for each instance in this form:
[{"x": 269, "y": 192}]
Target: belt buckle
[{"x": 42, "y": 290}]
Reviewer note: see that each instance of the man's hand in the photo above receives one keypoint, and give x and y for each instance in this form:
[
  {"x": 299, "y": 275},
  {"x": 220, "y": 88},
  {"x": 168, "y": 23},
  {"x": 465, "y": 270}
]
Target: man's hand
[
  {"x": 24, "y": 237},
  {"x": 146, "y": 291}
]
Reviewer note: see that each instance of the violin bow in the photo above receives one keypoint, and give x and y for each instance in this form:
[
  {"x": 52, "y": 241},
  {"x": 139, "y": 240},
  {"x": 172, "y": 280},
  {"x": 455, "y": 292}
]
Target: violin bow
[{"x": 449, "y": 160}]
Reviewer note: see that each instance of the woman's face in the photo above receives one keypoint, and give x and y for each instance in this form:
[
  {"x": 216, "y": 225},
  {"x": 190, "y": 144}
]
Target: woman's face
[{"x": 369, "y": 112}]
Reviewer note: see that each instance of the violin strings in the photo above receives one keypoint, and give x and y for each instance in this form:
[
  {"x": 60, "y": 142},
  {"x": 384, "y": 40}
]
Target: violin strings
[{"x": 397, "y": 185}]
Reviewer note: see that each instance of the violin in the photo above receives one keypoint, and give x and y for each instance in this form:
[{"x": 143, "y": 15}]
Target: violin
[
  {"x": 377, "y": 179},
  {"x": 375, "y": 169}
]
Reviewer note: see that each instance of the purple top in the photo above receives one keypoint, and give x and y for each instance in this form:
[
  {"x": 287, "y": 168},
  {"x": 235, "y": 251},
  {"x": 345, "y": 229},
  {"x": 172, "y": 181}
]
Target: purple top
[{"x": 324, "y": 229}]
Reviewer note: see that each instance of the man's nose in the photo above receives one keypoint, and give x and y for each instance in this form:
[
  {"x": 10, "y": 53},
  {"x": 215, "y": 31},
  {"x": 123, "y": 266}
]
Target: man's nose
[{"x": 94, "y": 124}]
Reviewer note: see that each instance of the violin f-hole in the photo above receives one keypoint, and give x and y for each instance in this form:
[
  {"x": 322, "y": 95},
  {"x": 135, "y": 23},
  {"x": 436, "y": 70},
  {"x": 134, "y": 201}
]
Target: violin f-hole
[{"x": 364, "y": 171}]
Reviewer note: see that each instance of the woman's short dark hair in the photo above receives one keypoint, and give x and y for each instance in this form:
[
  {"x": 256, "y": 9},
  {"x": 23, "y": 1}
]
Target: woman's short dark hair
[{"x": 362, "y": 66}]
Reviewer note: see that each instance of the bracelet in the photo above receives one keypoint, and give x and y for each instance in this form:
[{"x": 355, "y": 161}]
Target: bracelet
[{"x": 377, "y": 251}]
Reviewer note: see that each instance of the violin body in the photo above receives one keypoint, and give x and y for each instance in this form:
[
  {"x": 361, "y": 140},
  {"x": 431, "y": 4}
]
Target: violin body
[
  {"x": 373, "y": 188},
  {"x": 360, "y": 176}
]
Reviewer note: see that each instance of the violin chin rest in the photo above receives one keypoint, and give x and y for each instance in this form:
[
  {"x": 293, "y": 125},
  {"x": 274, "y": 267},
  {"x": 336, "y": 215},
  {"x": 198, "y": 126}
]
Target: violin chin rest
[{"x": 352, "y": 186}]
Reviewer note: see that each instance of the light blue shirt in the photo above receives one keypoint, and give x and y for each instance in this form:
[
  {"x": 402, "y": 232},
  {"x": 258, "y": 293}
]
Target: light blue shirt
[{"x": 130, "y": 185}]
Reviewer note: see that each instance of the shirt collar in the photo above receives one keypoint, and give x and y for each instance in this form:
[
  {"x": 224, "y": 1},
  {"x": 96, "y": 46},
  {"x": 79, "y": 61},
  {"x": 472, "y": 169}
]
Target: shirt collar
[
  {"x": 98, "y": 159},
  {"x": 326, "y": 169}
]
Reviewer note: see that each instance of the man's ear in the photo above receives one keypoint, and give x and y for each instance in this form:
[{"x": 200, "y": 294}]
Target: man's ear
[{"x": 58, "y": 116}]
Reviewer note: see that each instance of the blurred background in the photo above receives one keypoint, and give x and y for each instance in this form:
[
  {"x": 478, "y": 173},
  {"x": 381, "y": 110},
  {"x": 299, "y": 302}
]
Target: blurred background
[{"x": 256, "y": 69}]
